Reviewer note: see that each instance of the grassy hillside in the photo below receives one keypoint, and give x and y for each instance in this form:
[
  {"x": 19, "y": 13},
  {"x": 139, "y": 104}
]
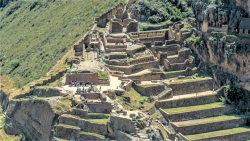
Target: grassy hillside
[{"x": 34, "y": 35}]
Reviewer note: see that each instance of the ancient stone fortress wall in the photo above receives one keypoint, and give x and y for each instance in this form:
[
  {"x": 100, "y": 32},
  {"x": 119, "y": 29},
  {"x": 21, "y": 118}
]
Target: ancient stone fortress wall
[
  {"x": 141, "y": 60},
  {"x": 213, "y": 26},
  {"x": 90, "y": 95},
  {"x": 122, "y": 123},
  {"x": 117, "y": 25},
  {"x": 148, "y": 91},
  {"x": 183, "y": 54},
  {"x": 86, "y": 77},
  {"x": 122, "y": 62},
  {"x": 132, "y": 50},
  {"x": 104, "y": 18},
  {"x": 191, "y": 87},
  {"x": 170, "y": 49},
  {"x": 162, "y": 56},
  {"x": 117, "y": 56},
  {"x": 168, "y": 94},
  {"x": 126, "y": 85},
  {"x": 179, "y": 66},
  {"x": 147, "y": 77}
]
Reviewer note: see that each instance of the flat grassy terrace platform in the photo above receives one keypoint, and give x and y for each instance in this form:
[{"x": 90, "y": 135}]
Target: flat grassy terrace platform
[
  {"x": 209, "y": 120},
  {"x": 104, "y": 121},
  {"x": 90, "y": 133},
  {"x": 194, "y": 108},
  {"x": 218, "y": 133}
]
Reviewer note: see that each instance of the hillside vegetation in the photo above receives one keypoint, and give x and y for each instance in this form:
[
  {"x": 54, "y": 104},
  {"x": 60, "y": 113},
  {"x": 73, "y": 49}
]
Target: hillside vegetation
[{"x": 34, "y": 35}]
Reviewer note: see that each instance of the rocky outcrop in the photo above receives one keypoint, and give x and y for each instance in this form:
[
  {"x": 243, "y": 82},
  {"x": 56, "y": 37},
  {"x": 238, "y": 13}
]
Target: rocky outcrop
[{"x": 33, "y": 118}]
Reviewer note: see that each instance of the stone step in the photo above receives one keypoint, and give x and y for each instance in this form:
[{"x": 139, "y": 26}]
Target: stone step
[
  {"x": 189, "y": 100},
  {"x": 234, "y": 134},
  {"x": 196, "y": 112},
  {"x": 210, "y": 124}
]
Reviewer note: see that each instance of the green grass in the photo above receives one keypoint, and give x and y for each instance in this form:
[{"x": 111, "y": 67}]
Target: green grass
[
  {"x": 209, "y": 120},
  {"x": 71, "y": 126},
  {"x": 86, "y": 55},
  {"x": 155, "y": 115},
  {"x": 194, "y": 108},
  {"x": 100, "y": 29},
  {"x": 104, "y": 121},
  {"x": 174, "y": 71},
  {"x": 216, "y": 133},
  {"x": 98, "y": 114},
  {"x": 164, "y": 131},
  {"x": 102, "y": 74},
  {"x": 133, "y": 93},
  {"x": 189, "y": 79},
  {"x": 90, "y": 133},
  {"x": 32, "y": 41},
  {"x": 149, "y": 85}
]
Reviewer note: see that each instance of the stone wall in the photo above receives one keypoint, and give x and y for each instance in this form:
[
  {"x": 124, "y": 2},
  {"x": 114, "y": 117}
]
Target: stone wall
[
  {"x": 140, "y": 60},
  {"x": 168, "y": 94},
  {"x": 136, "y": 68},
  {"x": 199, "y": 100},
  {"x": 90, "y": 137},
  {"x": 127, "y": 86},
  {"x": 86, "y": 77},
  {"x": 179, "y": 66},
  {"x": 88, "y": 126},
  {"x": 170, "y": 49},
  {"x": 67, "y": 132},
  {"x": 115, "y": 26},
  {"x": 122, "y": 123},
  {"x": 191, "y": 87},
  {"x": 186, "y": 72},
  {"x": 90, "y": 95},
  {"x": 149, "y": 91},
  {"x": 52, "y": 79},
  {"x": 147, "y": 77},
  {"x": 100, "y": 107},
  {"x": 183, "y": 54},
  {"x": 132, "y": 51},
  {"x": 78, "y": 112},
  {"x": 104, "y": 18},
  {"x": 118, "y": 62},
  {"x": 209, "y": 127},
  {"x": 230, "y": 137},
  {"x": 117, "y": 56},
  {"x": 228, "y": 109},
  {"x": 132, "y": 26}
]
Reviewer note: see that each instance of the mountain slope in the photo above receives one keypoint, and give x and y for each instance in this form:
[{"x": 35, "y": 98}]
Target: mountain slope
[{"x": 34, "y": 35}]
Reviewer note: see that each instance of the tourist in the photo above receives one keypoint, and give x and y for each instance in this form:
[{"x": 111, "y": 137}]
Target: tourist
[
  {"x": 100, "y": 88},
  {"x": 213, "y": 89},
  {"x": 135, "y": 42},
  {"x": 149, "y": 123},
  {"x": 119, "y": 43},
  {"x": 132, "y": 42},
  {"x": 166, "y": 123}
]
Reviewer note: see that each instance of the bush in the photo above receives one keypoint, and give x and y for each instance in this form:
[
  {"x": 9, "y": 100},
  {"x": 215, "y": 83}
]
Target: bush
[
  {"x": 14, "y": 63},
  {"x": 44, "y": 67}
]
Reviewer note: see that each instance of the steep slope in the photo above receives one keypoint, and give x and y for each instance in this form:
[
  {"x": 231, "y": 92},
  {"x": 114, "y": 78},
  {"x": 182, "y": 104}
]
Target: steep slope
[{"x": 34, "y": 35}]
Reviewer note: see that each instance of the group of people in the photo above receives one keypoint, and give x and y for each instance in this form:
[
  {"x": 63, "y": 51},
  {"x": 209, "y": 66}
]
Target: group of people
[
  {"x": 77, "y": 83},
  {"x": 78, "y": 90},
  {"x": 134, "y": 42},
  {"x": 119, "y": 43}
]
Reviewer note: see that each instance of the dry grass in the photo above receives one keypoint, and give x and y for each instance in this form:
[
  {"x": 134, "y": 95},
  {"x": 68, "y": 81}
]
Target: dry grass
[
  {"x": 135, "y": 99},
  {"x": 209, "y": 120},
  {"x": 62, "y": 106}
]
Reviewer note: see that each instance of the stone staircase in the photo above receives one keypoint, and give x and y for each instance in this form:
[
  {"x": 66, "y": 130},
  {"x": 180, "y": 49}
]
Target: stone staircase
[
  {"x": 138, "y": 133},
  {"x": 82, "y": 127}
]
